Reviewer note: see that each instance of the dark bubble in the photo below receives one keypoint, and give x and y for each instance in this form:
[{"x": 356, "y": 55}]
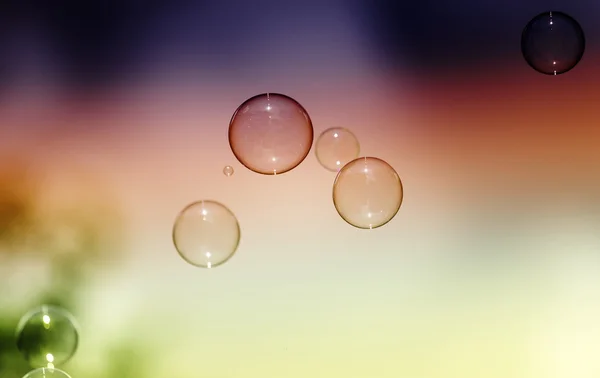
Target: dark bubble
[
  {"x": 47, "y": 336},
  {"x": 553, "y": 43}
]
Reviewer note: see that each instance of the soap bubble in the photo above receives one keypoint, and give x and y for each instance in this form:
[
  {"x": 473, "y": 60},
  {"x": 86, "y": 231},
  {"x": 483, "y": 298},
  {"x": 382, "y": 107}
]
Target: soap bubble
[
  {"x": 46, "y": 373},
  {"x": 367, "y": 193},
  {"x": 552, "y": 43},
  {"x": 270, "y": 134},
  {"x": 47, "y": 336},
  {"x": 335, "y": 147},
  {"x": 206, "y": 234},
  {"x": 228, "y": 170}
]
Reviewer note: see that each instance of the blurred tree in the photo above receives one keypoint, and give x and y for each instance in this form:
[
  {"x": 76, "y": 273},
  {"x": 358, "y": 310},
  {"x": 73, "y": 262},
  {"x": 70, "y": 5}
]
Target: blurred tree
[
  {"x": 71, "y": 225},
  {"x": 16, "y": 205}
]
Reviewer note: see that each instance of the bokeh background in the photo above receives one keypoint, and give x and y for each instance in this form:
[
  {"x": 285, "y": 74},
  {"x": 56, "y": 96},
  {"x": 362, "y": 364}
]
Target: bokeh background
[{"x": 114, "y": 115}]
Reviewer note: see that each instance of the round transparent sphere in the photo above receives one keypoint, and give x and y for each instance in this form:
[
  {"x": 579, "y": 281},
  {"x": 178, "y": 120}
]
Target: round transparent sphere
[
  {"x": 47, "y": 373},
  {"x": 206, "y": 234},
  {"x": 367, "y": 193},
  {"x": 47, "y": 336},
  {"x": 228, "y": 170},
  {"x": 336, "y": 147},
  {"x": 552, "y": 43},
  {"x": 270, "y": 134}
]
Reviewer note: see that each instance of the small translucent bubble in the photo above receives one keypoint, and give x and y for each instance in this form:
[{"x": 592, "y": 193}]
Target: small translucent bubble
[
  {"x": 552, "y": 43},
  {"x": 270, "y": 134},
  {"x": 206, "y": 234},
  {"x": 47, "y": 373},
  {"x": 47, "y": 336},
  {"x": 228, "y": 170},
  {"x": 336, "y": 147},
  {"x": 367, "y": 193}
]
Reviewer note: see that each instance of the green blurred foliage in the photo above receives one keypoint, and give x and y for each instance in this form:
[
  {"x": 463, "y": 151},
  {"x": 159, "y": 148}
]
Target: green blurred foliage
[{"x": 73, "y": 239}]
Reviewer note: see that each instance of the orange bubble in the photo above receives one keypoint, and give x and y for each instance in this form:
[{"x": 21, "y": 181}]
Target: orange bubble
[{"x": 228, "y": 170}]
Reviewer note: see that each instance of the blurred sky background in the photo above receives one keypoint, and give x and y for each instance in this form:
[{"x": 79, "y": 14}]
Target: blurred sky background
[{"x": 116, "y": 113}]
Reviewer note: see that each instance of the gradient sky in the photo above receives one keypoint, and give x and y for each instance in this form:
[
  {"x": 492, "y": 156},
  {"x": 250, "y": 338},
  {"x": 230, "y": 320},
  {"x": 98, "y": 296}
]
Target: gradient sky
[{"x": 488, "y": 270}]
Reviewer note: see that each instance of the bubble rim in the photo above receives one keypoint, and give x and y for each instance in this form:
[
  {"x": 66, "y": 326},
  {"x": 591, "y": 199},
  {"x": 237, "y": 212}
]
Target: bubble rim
[
  {"x": 537, "y": 18},
  {"x": 52, "y": 370},
  {"x": 192, "y": 205},
  {"x": 308, "y": 118},
  {"x": 335, "y": 186},
  {"x": 323, "y": 134}
]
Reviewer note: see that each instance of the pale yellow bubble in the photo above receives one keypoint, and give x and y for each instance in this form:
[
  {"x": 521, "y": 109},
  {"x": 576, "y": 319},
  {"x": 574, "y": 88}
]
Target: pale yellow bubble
[
  {"x": 206, "y": 234},
  {"x": 367, "y": 193}
]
